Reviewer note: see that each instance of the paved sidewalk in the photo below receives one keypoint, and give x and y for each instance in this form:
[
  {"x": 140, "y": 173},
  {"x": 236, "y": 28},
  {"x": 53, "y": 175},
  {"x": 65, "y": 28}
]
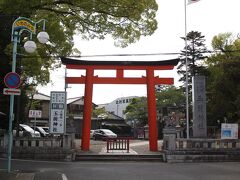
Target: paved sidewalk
[
  {"x": 15, "y": 175},
  {"x": 137, "y": 147},
  {"x": 140, "y": 147}
]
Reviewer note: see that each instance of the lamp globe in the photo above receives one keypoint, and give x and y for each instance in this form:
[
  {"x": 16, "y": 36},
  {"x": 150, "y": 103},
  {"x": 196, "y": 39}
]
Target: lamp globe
[
  {"x": 43, "y": 37},
  {"x": 30, "y": 46}
]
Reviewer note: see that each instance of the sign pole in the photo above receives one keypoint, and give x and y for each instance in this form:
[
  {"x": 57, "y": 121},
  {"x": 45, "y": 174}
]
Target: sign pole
[
  {"x": 19, "y": 25},
  {"x": 11, "y": 114}
]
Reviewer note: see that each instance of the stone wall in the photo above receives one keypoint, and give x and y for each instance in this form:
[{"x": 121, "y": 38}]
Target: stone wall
[
  {"x": 54, "y": 148},
  {"x": 207, "y": 144},
  {"x": 203, "y": 150}
]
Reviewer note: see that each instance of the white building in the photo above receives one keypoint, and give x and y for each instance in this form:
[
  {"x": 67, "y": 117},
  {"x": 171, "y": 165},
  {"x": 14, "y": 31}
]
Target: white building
[{"x": 118, "y": 106}]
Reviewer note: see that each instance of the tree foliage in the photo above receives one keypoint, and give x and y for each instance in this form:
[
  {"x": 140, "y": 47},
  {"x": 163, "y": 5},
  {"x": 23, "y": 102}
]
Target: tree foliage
[
  {"x": 170, "y": 96},
  {"x": 223, "y": 79},
  {"x": 98, "y": 112},
  {"x": 194, "y": 50},
  {"x": 137, "y": 111},
  {"x": 125, "y": 20}
]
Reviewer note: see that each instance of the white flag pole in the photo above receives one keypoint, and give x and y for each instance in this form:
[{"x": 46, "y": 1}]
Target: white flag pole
[{"x": 186, "y": 85}]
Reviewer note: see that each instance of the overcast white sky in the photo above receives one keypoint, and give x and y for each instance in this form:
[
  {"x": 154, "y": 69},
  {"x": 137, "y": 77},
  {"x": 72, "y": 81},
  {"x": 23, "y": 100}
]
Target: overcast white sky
[{"x": 210, "y": 17}]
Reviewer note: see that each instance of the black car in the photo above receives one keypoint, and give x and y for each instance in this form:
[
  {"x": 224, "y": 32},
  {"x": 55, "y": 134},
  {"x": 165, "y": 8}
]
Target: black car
[{"x": 103, "y": 133}]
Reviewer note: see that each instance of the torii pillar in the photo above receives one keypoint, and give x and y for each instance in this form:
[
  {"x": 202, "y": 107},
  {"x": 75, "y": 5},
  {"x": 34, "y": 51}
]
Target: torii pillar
[
  {"x": 152, "y": 111},
  {"x": 87, "y": 112},
  {"x": 119, "y": 66}
]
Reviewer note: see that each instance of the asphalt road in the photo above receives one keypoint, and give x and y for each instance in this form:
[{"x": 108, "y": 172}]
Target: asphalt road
[{"x": 43, "y": 170}]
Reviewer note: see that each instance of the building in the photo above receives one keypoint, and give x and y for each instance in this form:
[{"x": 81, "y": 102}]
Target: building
[
  {"x": 42, "y": 102},
  {"x": 75, "y": 108},
  {"x": 118, "y": 106}
]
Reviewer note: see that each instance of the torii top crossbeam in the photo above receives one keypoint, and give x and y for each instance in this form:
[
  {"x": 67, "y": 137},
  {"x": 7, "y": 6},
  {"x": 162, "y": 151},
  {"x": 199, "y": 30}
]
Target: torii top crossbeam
[{"x": 119, "y": 66}]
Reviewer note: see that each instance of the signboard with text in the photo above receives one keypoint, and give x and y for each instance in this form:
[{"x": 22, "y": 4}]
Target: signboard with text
[
  {"x": 35, "y": 114},
  {"x": 57, "y": 112},
  {"x": 24, "y": 23},
  {"x": 229, "y": 131},
  {"x": 11, "y": 91}
]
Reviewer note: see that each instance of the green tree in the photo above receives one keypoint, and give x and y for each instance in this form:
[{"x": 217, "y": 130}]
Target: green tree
[
  {"x": 137, "y": 111},
  {"x": 170, "y": 97},
  {"x": 125, "y": 20},
  {"x": 195, "y": 55},
  {"x": 223, "y": 79},
  {"x": 98, "y": 111}
]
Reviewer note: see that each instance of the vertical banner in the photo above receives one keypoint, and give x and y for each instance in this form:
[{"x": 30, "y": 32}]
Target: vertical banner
[
  {"x": 57, "y": 112},
  {"x": 199, "y": 107}
]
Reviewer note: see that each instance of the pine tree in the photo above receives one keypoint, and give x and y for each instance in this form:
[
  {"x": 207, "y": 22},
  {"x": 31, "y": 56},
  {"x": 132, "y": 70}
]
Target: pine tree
[{"x": 195, "y": 55}]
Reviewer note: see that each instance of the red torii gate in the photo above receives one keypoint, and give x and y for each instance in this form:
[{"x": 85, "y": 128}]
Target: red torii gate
[{"x": 119, "y": 66}]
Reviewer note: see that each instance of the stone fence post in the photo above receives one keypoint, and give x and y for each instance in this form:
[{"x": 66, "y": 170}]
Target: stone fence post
[
  {"x": 169, "y": 139},
  {"x": 68, "y": 141}
]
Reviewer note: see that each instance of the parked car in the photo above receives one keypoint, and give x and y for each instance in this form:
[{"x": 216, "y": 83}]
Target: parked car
[
  {"x": 28, "y": 131},
  {"x": 41, "y": 130},
  {"x": 46, "y": 129},
  {"x": 103, "y": 133},
  {"x": 91, "y": 133}
]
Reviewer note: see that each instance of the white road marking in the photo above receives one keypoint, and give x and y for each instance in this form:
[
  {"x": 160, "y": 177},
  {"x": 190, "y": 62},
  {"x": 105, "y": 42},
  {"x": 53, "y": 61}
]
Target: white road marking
[
  {"x": 64, "y": 177},
  {"x": 29, "y": 176}
]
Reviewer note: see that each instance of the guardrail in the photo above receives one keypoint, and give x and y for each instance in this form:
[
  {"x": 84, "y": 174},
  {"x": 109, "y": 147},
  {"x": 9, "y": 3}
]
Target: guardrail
[{"x": 120, "y": 143}]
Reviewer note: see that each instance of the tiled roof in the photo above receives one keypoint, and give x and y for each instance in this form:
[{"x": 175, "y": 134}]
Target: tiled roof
[{"x": 40, "y": 96}]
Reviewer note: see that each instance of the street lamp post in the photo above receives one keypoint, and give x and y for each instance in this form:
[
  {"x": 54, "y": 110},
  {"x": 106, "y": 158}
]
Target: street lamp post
[{"x": 20, "y": 25}]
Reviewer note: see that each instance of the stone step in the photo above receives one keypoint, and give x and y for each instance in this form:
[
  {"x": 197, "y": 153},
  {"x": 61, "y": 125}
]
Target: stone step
[{"x": 87, "y": 157}]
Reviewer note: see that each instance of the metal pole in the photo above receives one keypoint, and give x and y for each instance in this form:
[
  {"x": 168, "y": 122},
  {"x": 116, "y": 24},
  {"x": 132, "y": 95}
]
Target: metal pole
[
  {"x": 11, "y": 114},
  {"x": 35, "y": 119},
  {"x": 65, "y": 105},
  {"x": 187, "y": 108}
]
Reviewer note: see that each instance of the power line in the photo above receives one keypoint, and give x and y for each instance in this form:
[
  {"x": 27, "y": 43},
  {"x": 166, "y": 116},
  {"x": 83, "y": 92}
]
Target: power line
[{"x": 124, "y": 55}]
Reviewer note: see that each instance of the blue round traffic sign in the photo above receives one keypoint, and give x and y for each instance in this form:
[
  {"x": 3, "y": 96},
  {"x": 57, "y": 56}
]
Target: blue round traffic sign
[{"x": 12, "y": 80}]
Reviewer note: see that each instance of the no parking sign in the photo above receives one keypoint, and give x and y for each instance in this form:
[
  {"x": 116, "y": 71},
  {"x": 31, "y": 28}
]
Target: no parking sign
[{"x": 12, "y": 80}]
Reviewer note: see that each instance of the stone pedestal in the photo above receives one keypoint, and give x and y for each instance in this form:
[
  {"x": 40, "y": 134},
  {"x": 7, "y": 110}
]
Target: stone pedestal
[
  {"x": 146, "y": 132},
  {"x": 169, "y": 138}
]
